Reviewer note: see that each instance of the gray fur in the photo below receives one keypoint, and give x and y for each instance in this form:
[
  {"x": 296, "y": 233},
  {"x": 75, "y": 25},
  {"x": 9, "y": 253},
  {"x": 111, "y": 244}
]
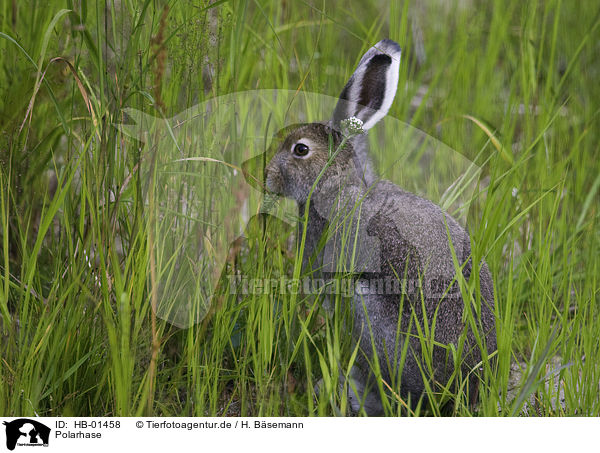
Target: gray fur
[{"x": 398, "y": 235}]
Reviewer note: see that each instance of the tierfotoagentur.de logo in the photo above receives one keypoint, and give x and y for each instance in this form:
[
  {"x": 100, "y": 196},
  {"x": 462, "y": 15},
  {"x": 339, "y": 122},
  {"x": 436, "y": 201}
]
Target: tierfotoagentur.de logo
[{"x": 24, "y": 432}]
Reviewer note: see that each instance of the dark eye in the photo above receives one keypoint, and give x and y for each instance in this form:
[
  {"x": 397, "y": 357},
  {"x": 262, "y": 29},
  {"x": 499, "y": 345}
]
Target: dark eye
[{"x": 300, "y": 149}]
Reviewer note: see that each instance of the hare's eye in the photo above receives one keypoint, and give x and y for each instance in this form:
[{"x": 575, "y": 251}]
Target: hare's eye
[{"x": 300, "y": 150}]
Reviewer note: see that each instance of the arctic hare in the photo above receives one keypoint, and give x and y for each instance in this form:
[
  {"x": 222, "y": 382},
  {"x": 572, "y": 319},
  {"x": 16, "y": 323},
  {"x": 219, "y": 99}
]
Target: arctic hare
[{"x": 373, "y": 230}]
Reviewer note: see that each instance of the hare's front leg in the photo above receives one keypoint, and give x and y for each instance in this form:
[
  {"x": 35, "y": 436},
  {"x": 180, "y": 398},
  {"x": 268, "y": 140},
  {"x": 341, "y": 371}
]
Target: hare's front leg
[
  {"x": 360, "y": 395},
  {"x": 374, "y": 331}
]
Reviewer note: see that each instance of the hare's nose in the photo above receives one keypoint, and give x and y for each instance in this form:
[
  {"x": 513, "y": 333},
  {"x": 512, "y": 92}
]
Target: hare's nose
[
  {"x": 269, "y": 180},
  {"x": 273, "y": 179}
]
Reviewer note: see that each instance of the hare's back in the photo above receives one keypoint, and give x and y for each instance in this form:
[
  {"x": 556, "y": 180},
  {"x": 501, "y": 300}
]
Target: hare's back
[{"x": 406, "y": 223}]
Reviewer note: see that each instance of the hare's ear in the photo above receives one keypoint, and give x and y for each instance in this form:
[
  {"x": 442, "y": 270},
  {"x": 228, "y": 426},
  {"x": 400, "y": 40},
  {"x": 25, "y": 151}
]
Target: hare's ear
[{"x": 369, "y": 93}]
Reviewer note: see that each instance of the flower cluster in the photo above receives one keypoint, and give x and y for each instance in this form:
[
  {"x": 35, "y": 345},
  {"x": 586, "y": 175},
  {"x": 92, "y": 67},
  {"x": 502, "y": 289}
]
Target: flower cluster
[{"x": 351, "y": 127}]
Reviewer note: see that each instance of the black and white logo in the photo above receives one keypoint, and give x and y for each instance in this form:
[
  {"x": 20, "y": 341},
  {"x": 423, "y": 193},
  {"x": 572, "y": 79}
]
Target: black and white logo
[{"x": 25, "y": 432}]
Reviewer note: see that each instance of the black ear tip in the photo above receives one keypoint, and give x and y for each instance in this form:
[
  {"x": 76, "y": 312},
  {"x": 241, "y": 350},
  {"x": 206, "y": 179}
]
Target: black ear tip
[{"x": 381, "y": 59}]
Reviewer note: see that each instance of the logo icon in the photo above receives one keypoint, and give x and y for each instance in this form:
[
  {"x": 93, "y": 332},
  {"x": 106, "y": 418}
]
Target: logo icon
[{"x": 26, "y": 432}]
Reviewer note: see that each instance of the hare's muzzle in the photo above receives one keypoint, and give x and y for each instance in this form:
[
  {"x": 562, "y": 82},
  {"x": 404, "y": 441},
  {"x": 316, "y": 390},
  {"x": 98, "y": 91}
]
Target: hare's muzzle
[{"x": 273, "y": 179}]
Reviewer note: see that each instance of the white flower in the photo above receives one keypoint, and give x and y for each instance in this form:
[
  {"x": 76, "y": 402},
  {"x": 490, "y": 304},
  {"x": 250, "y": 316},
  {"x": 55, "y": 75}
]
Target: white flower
[{"x": 351, "y": 127}]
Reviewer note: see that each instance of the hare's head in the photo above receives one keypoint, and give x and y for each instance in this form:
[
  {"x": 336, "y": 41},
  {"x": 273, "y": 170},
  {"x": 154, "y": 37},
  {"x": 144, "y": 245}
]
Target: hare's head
[
  {"x": 300, "y": 157},
  {"x": 303, "y": 151}
]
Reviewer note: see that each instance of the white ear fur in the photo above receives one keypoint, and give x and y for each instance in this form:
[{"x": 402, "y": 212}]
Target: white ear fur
[
  {"x": 369, "y": 93},
  {"x": 391, "y": 86}
]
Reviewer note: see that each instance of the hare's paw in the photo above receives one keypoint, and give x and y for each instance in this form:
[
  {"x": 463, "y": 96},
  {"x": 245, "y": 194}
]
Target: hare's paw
[{"x": 361, "y": 397}]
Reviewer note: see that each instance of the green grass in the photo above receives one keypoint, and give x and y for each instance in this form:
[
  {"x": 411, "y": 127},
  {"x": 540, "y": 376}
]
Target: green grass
[{"x": 84, "y": 238}]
